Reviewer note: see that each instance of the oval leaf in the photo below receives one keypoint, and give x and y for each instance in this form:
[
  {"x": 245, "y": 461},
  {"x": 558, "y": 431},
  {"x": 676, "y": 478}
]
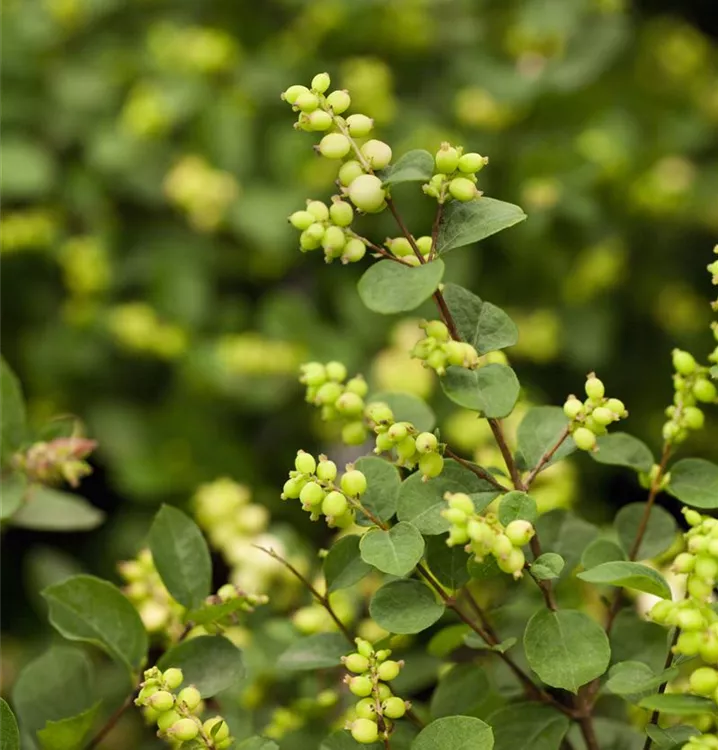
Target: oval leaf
[
  {"x": 622, "y": 449},
  {"x": 631, "y": 678},
  {"x": 538, "y": 433},
  {"x": 389, "y": 288},
  {"x": 455, "y": 733},
  {"x": 694, "y": 481},
  {"x": 68, "y": 733},
  {"x": 566, "y": 649},
  {"x": 413, "y": 166},
  {"x": 677, "y": 704},
  {"x": 659, "y": 535},
  {"x": 629, "y": 575},
  {"x": 48, "y": 509},
  {"x": 547, "y": 566},
  {"x": 383, "y": 484},
  {"x": 405, "y": 607},
  {"x": 601, "y": 551},
  {"x": 396, "y": 551},
  {"x": 528, "y": 725},
  {"x": 460, "y": 691},
  {"x": 343, "y": 566},
  {"x": 407, "y": 408},
  {"x": 9, "y": 733},
  {"x": 85, "y": 608},
  {"x": 491, "y": 390},
  {"x": 318, "y": 651},
  {"x": 181, "y": 556}
]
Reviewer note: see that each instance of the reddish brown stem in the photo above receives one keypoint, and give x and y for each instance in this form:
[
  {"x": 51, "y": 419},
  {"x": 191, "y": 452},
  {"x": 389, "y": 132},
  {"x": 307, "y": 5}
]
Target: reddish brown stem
[
  {"x": 404, "y": 230},
  {"x": 498, "y": 432},
  {"x": 478, "y": 470},
  {"x": 547, "y": 456},
  {"x": 111, "y": 722}
]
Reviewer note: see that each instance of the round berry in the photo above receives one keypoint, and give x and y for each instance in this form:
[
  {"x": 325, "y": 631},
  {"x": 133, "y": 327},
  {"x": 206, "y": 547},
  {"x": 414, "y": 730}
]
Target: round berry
[
  {"x": 336, "y": 371},
  {"x": 693, "y": 418},
  {"x": 690, "y": 620},
  {"x": 437, "y": 330},
  {"x": 292, "y": 488},
  {"x": 367, "y": 194},
  {"x": 379, "y": 412},
  {"x": 318, "y": 210},
  {"x": 594, "y": 388},
  {"x": 326, "y": 470},
  {"x": 145, "y": 693},
  {"x": 364, "y": 647},
  {"x": 339, "y": 101},
  {"x": 704, "y": 390},
  {"x": 447, "y": 158},
  {"x": 460, "y": 501},
  {"x": 311, "y": 494},
  {"x": 216, "y": 728},
  {"x": 393, "y": 708},
  {"x": 361, "y": 686},
  {"x": 329, "y": 393},
  {"x": 349, "y": 404},
  {"x": 463, "y": 189},
  {"x": 519, "y": 532},
  {"x": 602, "y": 416},
  {"x": 306, "y": 102},
  {"x": 305, "y": 463},
  {"x": 424, "y": 244},
  {"x": 455, "y": 516},
  {"x": 301, "y": 220},
  {"x": 356, "y": 663},
  {"x": 704, "y": 681},
  {"x": 512, "y": 563},
  {"x": 167, "y": 719},
  {"x": 349, "y": 171},
  {"x": 683, "y": 362},
  {"x": 173, "y": 677},
  {"x": 684, "y": 562},
  {"x": 366, "y": 709},
  {"x": 319, "y": 120},
  {"x": 472, "y": 162},
  {"x": 334, "y": 504},
  {"x": 397, "y": 432},
  {"x": 293, "y": 92},
  {"x": 334, "y": 146},
  {"x": 431, "y": 464},
  {"x": 359, "y": 125},
  {"x": 426, "y": 442},
  {"x": 184, "y": 730},
  {"x": 406, "y": 448},
  {"x": 400, "y": 247},
  {"x": 334, "y": 238},
  {"x": 502, "y": 546},
  {"x": 341, "y": 213},
  {"x": 585, "y": 440},
  {"x": 377, "y": 153},
  {"x": 358, "y": 385},
  {"x": 190, "y": 696},
  {"x": 161, "y": 701},
  {"x": 364, "y": 731},
  {"x": 354, "y": 251},
  {"x": 706, "y": 568},
  {"x": 572, "y": 408},
  {"x": 308, "y": 242},
  {"x": 354, "y": 433},
  {"x": 353, "y": 483},
  {"x": 321, "y": 82},
  {"x": 388, "y": 670},
  {"x": 383, "y": 691},
  {"x": 383, "y": 442},
  {"x": 616, "y": 406}
]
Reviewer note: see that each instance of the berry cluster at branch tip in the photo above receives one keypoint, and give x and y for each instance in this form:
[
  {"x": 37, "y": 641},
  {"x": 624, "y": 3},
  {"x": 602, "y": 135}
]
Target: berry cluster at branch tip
[
  {"x": 176, "y": 713},
  {"x": 486, "y": 535},
  {"x": 590, "y": 418},
  {"x": 437, "y": 350},
  {"x": 455, "y": 174},
  {"x": 378, "y": 707}
]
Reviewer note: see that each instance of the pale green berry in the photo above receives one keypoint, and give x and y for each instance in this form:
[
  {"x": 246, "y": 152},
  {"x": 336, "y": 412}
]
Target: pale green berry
[
  {"x": 704, "y": 681},
  {"x": 519, "y": 532},
  {"x": 339, "y": 101},
  {"x": 319, "y": 120},
  {"x": 305, "y": 463},
  {"x": 512, "y": 563},
  {"x": 364, "y": 647},
  {"x": 321, "y": 82},
  {"x": 397, "y": 432},
  {"x": 377, "y": 153},
  {"x": 472, "y": 162},
  {"x": 301, "y": 220},
  {"x": 367, "y": 194},
  {"x": 190, "y": 696},
  {"x": 353, "y": 483},
  {"x": 315, "y": 231},
  {"x": 690, "y": 620},
  {"x": 388, "y": 670},
  {"x": 161, "y": 701},
  {"x": 455, "y": 516},
  {"x": 394, "y": 708},
  {"x": 383, "y": 654},
  {"x": 572, "y": 408},
  {"x": 341, "y": 213},
  {"x": 356, "y": 663},
  {"x": 431, "y": 464},
  {"x": 336, "y": 371},
  {"x": 216, "y": 728},
  {"x": 334, "y": 504},
  {"x": 319, "y": 210},
  {"x": 699, "y": 589},
  {"x": 167, "y": 719},
  {"x": 145, "y": 693},
  {"x": 661, "y": 611},
  {"x": 326, "y": 470},
  {"x": 361, "y": 686},
  {"x": 400, "y": 247},
  {"x": 293, "y": 92},
  {"x": 616, "y": 406},
  {"x": 307, "y": 102},
  {"x": 704, "y": 390},
  {"x": 383, "y": 691},
  {"x": 225, "y": 593},
  {"x": 424, "y": 244},
  {"x": 365, "y": 731},
  {"x": 683, "y": 362},
  {"x": 460, "y": 501},
  {"x": 334, "y": 146},
  {"x": 384, "y": 443},
  {"x": 349, "y": 404},
  {"x": 358, "y": 385},
  {"x": 689, "y": 643},
  {"x": 684, "y": 562},
  {"x": 349, "y": 171},
  {"x": 706, "y": 568},
  {"x": 412, "y": 260},
  {"x": 366, "y": 709},
  {"x": 463, "y": 189},
  {"x": 307, "y": 241},
  {"x": 447, "y": 158},
  {"x": 435, "y": 329},
  {"x": 184, "y": 730},
  {"x": 455, "y": 352},
  {"x": 502, "y": 547},
  {"x": 329, "y": 393},
  {"x": 457, "y": 536},
  {"x": 354, "y": 251},
  {"x": 334, "y": 238},
  {"x": 585, "y": 440},
  {"x": 426, "y": 442},
  {"x": 291, "y": 489},
  {"x": 602, "y": 416},
  {"x": 693, "y": 417},
  {"x": 173, "y": 677},
  {"x": 359, "y": 125},
  {"x": 709, "y": 651},
  {"x": 379, "y": 412},
  {"x": 406, "y": 448},
  {"x": 437, "y": 361},
  {"x": 693, "y": 517},
  {"x": 312, "y": 494},
  {"x": 594, "y": 387}
]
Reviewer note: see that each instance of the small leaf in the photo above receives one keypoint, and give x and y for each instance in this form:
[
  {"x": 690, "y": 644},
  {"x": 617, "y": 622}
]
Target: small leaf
[
  {"x": 318, "y": 651},
  {"x": 630, "y": 575},
  {"x": 85, "y": 608},
  {"x": 694, "y": 481},
  {"x": 48, "y": 509},
  {"x": 492, "y": 390},
  {"x": 388, "y": 288},
  {"x": 407, "y": 408},
  {"x": 12, "y": 493},
  {"x": 181, "y": 556},
  {"x": 659, "y": 535},
  {"x": 421, "y": 502},
  {"x": 678, "y": 704},
  {"x": 448, "y": 564},
  {"x": 460, "y": 691},
  {"x": 455, "y": 733},
  {"x": 383, "y": 484},
  {"x": 396, "y": 551},
  {"x": 483, "y": 325},
  {"x": 547, "y": 566},
  {"x": 631, "y": 678},
  {"x": 209, "y": 662},
  {"x": 517, "y": 506},
  {"x": 68, "y": 733},
  {"x": 670, "y": 737},
  {"x": 566, "y": 649},
  {"x": 13, "y": 430},
  {"x": 466, "y": 223},
  {"x": 528, "y": 725},
  {"x": 9, "y": 733},
  {"x": 601, "y": 551},
  {"x": 343, "y": 566},
  {"x": 538, "y": 433},
  {"x": 405, "y": 607},
  {"x": 622, "y": 449},
  {"x": 413, "y": 166}
]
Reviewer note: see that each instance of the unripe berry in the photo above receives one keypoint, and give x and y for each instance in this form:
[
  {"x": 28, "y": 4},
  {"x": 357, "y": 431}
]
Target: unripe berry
[
  {"x": 326, "y": 470},
  {"x": 349, "y": 404},
  {"x": 145, "y": 693},
  {"x": 364, "y": 731},
  {"x": 339, "y": 101},
  {"x": 292, "y": 488},
  {"x": 383, "y": 443},
  {"x": 334, "y": 238},
  {"x": 379, "y": 412},
  {"x": 699, "y": 589},
  {"x": 353, "y": 483},
  {"x": 572, "y": 408},
  {"x": 377, "y": 153},
  {"x": 301, "y": 220},
  {"x": 602, "y": 416},
  {"x": 334, "y": 146},
  {"x": 463, "y": 189},
  {"x": 436, "y": 329},
  {"x": 455, "y": 516},
  {"x": 358, "y": 385},
  {"x": 329, "y": 393},
  {"x": 173, "y": 677},
  {"x": 706, "y": 568},
  {"x": 394, "y": 708},
  {"x": 364, "y": 647},
  {"x": 311, "y": 494},
  {"x": 693, "y": 517},
  {"x": 359, "y": 125},
  {"x": 167, "y": 719},
  {"x": 318, "y": 210},
  {"x": 190, "y": 696},
  {"x": 400, "y": 247},
  {"x": 424, "y": 244},
  {"x": 585, "y": 440},
  {"x": 684, "y": 562},
  {"x": 354, "y": 433},
  {"x": 360, "y": 686},
  {"x": 293, "y": 92},
  {"x": 513, "y": 563},
  {"x": 460, "y": 501},
  {"x": 704, "y": 390},
  {"x": 447, "y": 158},
  {"x": 319, "y": 120},
  {"x": 503, "y": 546},
  {"x": 709, "y": 650},
  {"x": 616, "y": 406},
  {"x": 216, "y": 728},
  {"x": 184, "y": 730},
  {"x": 397, "y": 432},
  {"x": 305, "y": 463},
  {"x": 693, "y": 418},
  {"x": 366, "y": 709},
  {"x": 336, "y": 371},
  {"x": 704, "y": 681},
  {"x": 161, "y": 701},
  {"x": 383, "y": 691},
  {"x": 431, "y": 464},
  {"x": 354, "y": 251},
  {"x": 437, "y": 361},
  {"x": 334, "y": 504},
  {"x": 321, "y": 82},
  {"x": 472, "y": 162},
  {"x": 306, "y": 102},
  {"x": 366, "y": 193},
  {"x": 689, "y": 643},
  {"x": 341, "y": 213},
  {"x": 356, "y": 663},
  {"x": 661, "y": 611},
  {"x": 683, "y": 362},
  {"x": 406, "y": 448},
  {"x": 388, "y": 670},
  {"x": 426, "y": 442},
  {"x": 595, "y": 389},
  {"x": 383, "y": 654},
  {"x": 349, "y": 171},
  {"x": 519, "y": 532}
]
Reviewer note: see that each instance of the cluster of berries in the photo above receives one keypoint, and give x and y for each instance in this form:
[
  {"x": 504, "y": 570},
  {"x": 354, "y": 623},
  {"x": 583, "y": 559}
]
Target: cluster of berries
[
  {"x": 455, "y": 175},
  {"x": 410, "y": 446},
  {"x": 328, "y": 227},
  {"x": 377, "y": 707},
  {"x": 692, "y": 385},
  {"x": 438, "y": 350},
  {"x": 400, "y": 247},
  {"x": 486, "y": 535},
  {"x": 590, "y": 418},
  {"x": 339, "y": 400},
  {"x": 177, "y": 714},
  {"x": 313, "y": 484}
]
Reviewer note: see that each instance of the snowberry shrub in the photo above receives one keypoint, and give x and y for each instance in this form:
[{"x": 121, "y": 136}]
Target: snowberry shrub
[{"x": 608, "y": 639}]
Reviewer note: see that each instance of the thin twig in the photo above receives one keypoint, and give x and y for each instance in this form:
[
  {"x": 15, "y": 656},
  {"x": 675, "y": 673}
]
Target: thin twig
[
  {"x": 498, "y": 432},
  {"x": 478, "y": 470},
  {"x": 110, "y": 723},
  {"x": 547, "y": 456},
  {"x": 544, "y": 585}
]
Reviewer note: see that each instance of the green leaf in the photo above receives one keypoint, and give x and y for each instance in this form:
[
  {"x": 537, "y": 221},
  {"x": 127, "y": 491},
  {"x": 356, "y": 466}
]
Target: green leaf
[
  {"x": 421, "y": 502},
  {"x": 396, "y": 551},
  {"x": 537, "y": 434},
  {"x": 405, "y": 607},
  {"x": 213, "y": 612},
  {"x": 678, "y": 704},
  {"x": 659, "y": 535},
  {"x": 388, "y": 288},
  {"x": 566, "y": 649},
  {"x": 343, "y": 566},
  {"x": 12, "y": 493},
  {"x": 632, "y": 678},
  {"x": 635, "y": 639},
  {"x": 601, "y": 551},
  {"x": 413, "y": 166},
  {"x": 475, "y": 641},
  {"x": 566, "y": 535},
  {"x": 318, "y": 651},
  {"x": 460, "y": 691},
  {"x": 629, "y": 575},
  {"x": 209, "y": 662},
  {"x": 85, "y": 608},
  {"x": 448, "y": 639},
  {"x": 342, "y": 740},
  {"x": 407, "y": 408},
  {"x": 12, "y": 434},
  {"x": 528, "y": 725},
  {"x": 694, "y": 481},
  {"x": 547, "y": 566},
  {"x": 482, "y": 571},
  {"x": 515, "y": 506},
  {"x": 448, "y": 564},
  {"x": 69, "y": 733},
  {"x": 465, "y": 223},
  {"x": 455, "y": 733},
  {"x": 48, "y": 509},
  {"x": 622, "y": 449},
  {"x": 383, "y": 484},
  {"x": 257, "y": 743},
  {"x": 9, "y": 733},
  {"x": 181, "y": 556},
  {"x": 492, "y": 390},
  {"x": 483, "y": 325},
  {"x": 670, "y": 737}
]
